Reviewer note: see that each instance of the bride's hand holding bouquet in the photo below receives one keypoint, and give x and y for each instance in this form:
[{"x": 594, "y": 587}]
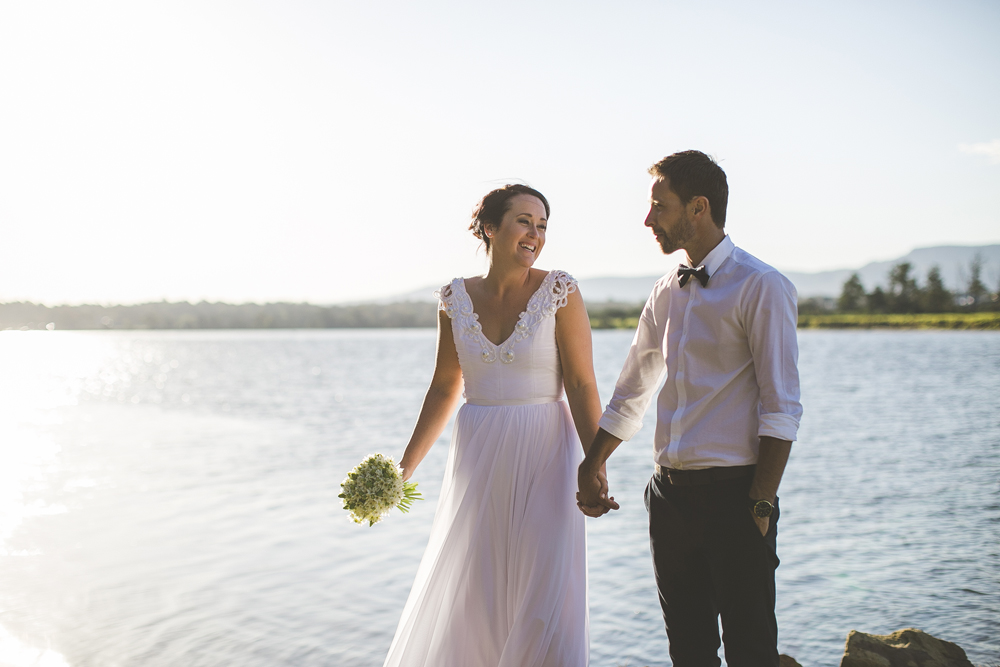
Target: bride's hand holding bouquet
[{"x": 375, "y": 487}]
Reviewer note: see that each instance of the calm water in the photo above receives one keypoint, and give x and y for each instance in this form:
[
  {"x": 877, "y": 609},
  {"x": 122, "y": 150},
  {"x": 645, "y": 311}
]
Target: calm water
[{"x": 170, "y": 498}]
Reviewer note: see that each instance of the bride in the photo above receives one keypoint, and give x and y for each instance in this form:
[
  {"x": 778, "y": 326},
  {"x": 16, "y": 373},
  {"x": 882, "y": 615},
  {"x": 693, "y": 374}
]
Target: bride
[{"x": 503, "y": 582}]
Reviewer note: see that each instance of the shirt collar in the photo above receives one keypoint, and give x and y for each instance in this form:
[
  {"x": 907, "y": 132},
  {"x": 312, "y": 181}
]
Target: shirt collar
[{"x": 714, "y": 259}]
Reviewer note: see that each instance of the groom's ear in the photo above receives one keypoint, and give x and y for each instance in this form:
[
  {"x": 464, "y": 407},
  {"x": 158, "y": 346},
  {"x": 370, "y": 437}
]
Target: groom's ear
[{"x": 699, "y": 206}]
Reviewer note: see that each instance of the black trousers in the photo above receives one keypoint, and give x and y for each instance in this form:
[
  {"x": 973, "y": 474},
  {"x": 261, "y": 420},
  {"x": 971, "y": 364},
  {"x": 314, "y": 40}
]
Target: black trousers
[{"x": 710, "y": 560}]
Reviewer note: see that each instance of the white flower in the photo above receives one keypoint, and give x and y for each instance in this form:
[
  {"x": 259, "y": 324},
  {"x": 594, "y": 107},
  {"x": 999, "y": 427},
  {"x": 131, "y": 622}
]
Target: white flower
[{"x": 374, "y": 487}]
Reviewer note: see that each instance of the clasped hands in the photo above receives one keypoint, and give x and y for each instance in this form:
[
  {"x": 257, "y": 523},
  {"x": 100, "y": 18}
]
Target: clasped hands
[{"x": 592, "y": 498}]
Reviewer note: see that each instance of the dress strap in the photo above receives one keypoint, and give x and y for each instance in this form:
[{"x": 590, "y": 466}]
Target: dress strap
[
  {"x": 563, "y": 285},
  {"x": 448, "y": 297}
]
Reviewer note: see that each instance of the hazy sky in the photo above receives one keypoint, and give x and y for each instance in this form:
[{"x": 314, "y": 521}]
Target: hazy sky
[{"x": 331, "y": 151}]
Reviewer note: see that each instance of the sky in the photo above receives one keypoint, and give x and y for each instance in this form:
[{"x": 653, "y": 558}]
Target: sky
[{"x": 332, "y": 151}]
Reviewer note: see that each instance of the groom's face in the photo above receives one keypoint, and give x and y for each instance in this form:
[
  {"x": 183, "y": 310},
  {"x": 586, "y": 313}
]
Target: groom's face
[{"x": 668, "y": 217}]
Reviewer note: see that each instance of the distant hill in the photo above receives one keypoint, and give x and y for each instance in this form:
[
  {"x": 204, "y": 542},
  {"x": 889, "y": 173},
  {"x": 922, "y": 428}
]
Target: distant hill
[{"x": 953, "y": 262}]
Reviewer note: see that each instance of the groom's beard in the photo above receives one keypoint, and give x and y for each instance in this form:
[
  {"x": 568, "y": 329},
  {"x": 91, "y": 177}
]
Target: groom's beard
[{"x": 678, "y": 236}]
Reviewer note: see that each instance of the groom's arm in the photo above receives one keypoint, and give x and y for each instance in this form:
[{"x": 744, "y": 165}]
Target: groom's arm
[
  {"x": 771, "y": 320},
  {"x": 643, "y": 370}
]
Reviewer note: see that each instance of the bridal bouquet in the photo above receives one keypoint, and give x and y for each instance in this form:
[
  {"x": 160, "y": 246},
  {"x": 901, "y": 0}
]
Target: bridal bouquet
[{"x": 374, "y": 487}]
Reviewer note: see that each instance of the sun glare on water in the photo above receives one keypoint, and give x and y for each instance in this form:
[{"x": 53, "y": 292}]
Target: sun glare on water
[{"x": 42, "y": 372}]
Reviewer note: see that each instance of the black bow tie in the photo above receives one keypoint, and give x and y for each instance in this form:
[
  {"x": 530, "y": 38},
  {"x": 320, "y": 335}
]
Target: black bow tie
[{"x": 684, "y": 273}]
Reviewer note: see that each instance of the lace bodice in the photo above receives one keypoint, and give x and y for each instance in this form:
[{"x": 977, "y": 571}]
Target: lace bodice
[{"x": 529, "y": 370}]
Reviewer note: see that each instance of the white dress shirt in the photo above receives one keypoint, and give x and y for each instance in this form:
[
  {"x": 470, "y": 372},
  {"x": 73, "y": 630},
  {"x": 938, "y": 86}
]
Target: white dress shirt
[{"x": 729, "y": 353}]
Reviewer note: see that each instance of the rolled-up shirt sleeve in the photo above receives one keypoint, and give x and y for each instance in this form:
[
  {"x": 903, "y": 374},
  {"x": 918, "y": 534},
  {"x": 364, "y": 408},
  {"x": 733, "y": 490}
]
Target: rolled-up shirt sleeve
[
  {"x": 641, "y": 375},
  {"x": 771, "y": 317}
]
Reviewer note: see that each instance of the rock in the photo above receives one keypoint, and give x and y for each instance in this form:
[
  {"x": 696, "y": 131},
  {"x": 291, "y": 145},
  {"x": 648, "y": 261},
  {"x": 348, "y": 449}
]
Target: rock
[
  {"x": 903, "y": 648},
  {"x": 787, "y": 661}
]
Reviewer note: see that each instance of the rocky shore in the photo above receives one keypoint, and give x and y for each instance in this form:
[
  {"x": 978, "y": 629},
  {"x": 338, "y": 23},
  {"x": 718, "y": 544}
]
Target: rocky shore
[{"x": 902, "y": 648}]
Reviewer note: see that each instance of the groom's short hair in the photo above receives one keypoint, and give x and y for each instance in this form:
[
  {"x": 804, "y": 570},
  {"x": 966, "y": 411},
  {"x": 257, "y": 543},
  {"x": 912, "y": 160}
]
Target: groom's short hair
[{"x": 694, "y": 174}]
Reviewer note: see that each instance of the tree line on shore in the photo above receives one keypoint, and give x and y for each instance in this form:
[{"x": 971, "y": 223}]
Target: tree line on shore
[{"x": 904, "y": 294}]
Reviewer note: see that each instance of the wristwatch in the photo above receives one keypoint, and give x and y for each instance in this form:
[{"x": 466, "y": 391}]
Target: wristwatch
[{"x": 761, "y": 508}]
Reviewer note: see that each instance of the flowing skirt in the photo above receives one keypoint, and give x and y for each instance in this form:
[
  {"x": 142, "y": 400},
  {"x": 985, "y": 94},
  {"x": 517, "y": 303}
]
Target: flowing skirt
[{"x": 503, "y": 582}]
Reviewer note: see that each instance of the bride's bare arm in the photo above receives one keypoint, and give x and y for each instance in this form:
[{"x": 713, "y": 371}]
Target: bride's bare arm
[
  {"x": 439, "y": 401},
  {"x": 576, "y": 354}
]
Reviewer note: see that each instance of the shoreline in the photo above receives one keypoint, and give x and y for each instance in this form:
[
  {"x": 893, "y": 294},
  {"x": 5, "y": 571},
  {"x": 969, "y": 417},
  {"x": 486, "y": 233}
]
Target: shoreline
[
  {"x": 986, "y": 321},
  {"x": 982, "y": 321}
]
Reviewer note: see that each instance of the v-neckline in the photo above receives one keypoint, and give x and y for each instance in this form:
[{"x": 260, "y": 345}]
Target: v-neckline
[{"x": 475, "y": 315}]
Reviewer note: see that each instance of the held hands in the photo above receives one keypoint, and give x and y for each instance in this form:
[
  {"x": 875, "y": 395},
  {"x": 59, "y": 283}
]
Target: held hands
[{"x": 592, "y": 498}]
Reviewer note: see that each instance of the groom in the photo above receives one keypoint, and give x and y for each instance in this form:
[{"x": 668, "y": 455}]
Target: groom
[{"x": 722, "y": 332}]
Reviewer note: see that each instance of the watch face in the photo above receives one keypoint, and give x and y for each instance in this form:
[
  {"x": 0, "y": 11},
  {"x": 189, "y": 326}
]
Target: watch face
[{"x": 762, "y": 509}]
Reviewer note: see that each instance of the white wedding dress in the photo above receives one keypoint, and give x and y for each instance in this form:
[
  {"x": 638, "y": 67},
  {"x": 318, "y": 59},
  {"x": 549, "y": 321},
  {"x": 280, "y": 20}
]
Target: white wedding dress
[{"x": 503, "y": 582}]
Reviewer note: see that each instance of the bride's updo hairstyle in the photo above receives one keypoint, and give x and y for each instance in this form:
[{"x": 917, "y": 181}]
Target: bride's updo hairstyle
[{"x": 495, "y": 204}]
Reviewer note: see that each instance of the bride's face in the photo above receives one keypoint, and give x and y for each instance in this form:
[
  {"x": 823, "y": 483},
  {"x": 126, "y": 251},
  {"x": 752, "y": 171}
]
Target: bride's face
[{"x": 522, "y": 231}]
